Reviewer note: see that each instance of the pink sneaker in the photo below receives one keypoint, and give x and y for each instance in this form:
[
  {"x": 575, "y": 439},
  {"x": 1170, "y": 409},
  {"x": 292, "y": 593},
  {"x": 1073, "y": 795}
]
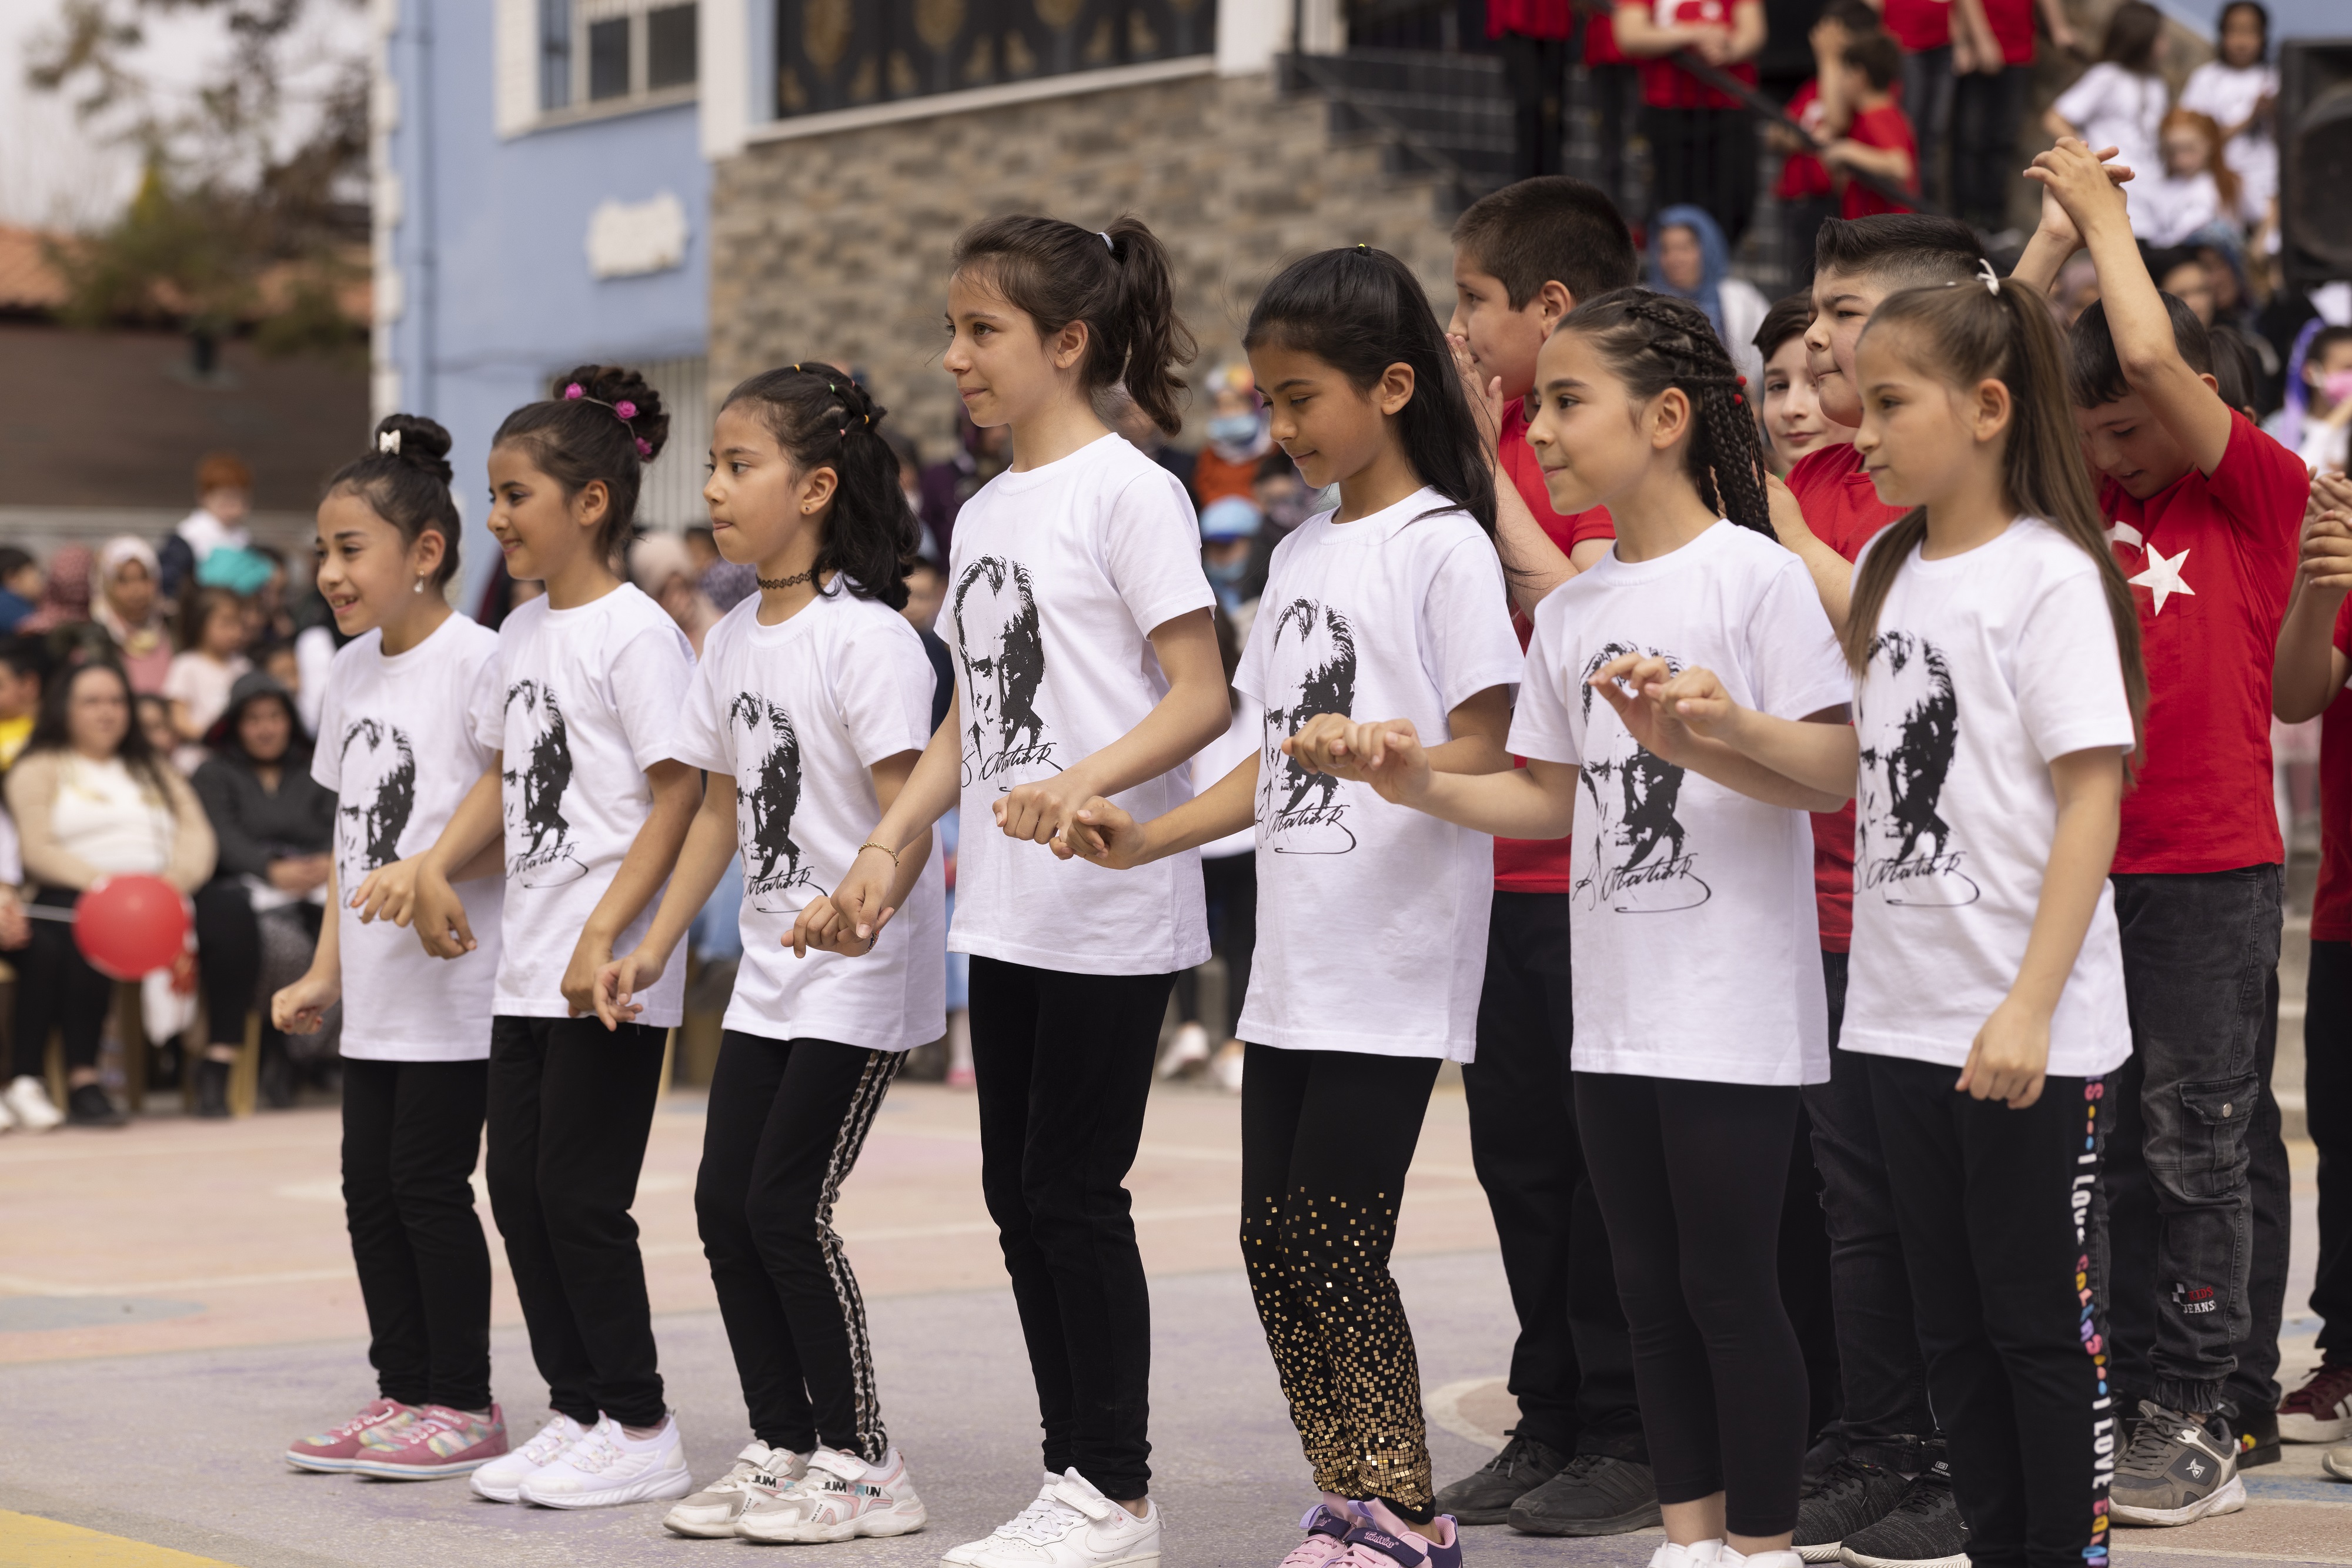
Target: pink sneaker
[
  {"x": 334, "y": 1452},
  {"x": 1326, "y": 1537},
  {"x": 1384, "y": 1541},
  {"x": 439, "y": 1443}
]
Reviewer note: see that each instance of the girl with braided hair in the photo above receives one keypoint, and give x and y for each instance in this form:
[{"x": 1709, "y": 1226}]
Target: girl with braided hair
[
  {"x": 1699, "y": 1000},
  {"x": 810, "y": 708}
]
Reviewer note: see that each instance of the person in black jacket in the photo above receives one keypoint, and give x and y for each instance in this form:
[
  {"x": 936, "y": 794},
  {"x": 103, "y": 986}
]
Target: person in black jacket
[{"x": 276, "y": 827}]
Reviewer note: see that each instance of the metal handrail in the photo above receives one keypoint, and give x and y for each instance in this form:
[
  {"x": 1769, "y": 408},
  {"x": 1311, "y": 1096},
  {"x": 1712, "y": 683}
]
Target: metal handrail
[{"x": 1332, "y": 86}]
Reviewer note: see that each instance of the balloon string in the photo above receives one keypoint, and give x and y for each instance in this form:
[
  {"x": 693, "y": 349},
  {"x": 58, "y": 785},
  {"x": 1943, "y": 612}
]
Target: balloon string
[{"x": 46, "y": 912}]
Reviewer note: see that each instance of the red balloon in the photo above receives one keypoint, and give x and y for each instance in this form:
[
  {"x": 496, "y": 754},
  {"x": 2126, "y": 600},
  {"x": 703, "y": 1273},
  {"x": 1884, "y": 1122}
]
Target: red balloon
[{"x": 128, "y": 925}]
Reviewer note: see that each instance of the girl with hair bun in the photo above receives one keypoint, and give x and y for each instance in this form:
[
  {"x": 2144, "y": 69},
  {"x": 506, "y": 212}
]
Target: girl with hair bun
[
  {"x": 1699, "y": 1002},
  {"x": 397, "y": 746},
  {"x": 810, "y": 706},
  {"x": 1088, "y": 665},
  {"x": 588, "y": 772}
]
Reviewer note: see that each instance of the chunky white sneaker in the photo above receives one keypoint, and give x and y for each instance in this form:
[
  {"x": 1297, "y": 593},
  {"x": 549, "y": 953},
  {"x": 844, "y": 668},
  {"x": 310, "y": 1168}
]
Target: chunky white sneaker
[
  {"x": 607, "y": 1467},
  {"x": 28, "y": 1099},
  {"x": 501, "y": 1479},
  {"x": 1187, "y": 1048},
  {"x": 840, "y": 1498},
  {"x": 1072, "y": 1525},
  {"x": 969, "y": 1552},
  {"x": 711, "y": 1513}
]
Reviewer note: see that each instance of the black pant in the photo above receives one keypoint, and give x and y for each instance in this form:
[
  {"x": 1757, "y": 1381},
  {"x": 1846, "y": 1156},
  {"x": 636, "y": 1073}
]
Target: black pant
[
  {"x": 1987, "y": 110},
  {"x": 228, "y": 956},
  {"x": 1705, "y": 158},
  {"x": 1887, "y": 1417},
  {"x": 1535, "y": 72},
  {"x": 1063, "y": 1066},
  {"x": 2327, "y": 1096},
  {"x": 57, "y": 989},
  {"x": 1230, "y": 884},
  {"x": 786, "y": 1122},
  {"x": 1995, "y": 1208},
  {"x": 1616, "y": 95},
  {"x": 411, "y": 1132},
  {"x": 1327, "y": 1136},
  {"x": 2200, "y": 953},
  {"x": 1927, "y": 100},
  {"x": 1689, "y": 1175},
  {"x": 571, "y": 1106},
  {"x": 2252, "y": 1384},
  {"x": 1807, "y": 1290},
  {"x": 1572, "y": 1365},
  {"x": 1804, "y": 218}
]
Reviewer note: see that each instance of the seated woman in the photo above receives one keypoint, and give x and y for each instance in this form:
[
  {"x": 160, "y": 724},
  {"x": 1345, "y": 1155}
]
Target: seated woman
[
  {"x": 276, "y": 827},
  {"x": 90, "y": 798}
]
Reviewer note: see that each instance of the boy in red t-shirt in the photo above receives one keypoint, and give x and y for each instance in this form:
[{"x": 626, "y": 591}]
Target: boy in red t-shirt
[
  {"x": 2314, "y": 655},
  {"x": 1577, "y": 1463},
  {"x": 1804, "y": 190},
  {"x": 1878, "y": 139},
  {"x": 1702, "y": 140},
  {"x": 2206, "y": 510}
]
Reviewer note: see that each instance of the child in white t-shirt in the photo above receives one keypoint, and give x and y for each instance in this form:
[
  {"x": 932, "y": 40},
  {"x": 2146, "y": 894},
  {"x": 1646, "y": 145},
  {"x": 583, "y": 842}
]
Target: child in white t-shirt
[
  {"x": 591, "y": 779},
  {"x": 1372, "y": 948},
  {"x": 398, "y": 743},
  {"x": 1997, "y": 652},
  {"x": 1087, "y": 665},
  {"x": 2237, "y": 87},
  {"x": 1698, "y": 992},
  {"x": 811, "y": 704}
]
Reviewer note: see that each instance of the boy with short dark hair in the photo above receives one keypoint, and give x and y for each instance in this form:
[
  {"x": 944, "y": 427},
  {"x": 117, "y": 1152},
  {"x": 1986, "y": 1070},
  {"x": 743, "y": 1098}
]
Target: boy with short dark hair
[
  {"x": 1577, "y": 1463},
  {"x": 2206, "y": 511},
  {"x": 1878, "y": 139}
]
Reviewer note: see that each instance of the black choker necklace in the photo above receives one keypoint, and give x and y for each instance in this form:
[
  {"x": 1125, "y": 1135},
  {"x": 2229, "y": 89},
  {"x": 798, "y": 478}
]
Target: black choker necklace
[{"x": 776, "y": 582}]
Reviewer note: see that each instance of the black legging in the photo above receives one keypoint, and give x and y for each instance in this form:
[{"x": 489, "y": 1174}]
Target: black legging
[
  {"x": 57, "y": 989},
  {"x": 228, "y": 956},
  {"x": 1229, "y": 883},
  {"x": 1690, "y": 1176}
]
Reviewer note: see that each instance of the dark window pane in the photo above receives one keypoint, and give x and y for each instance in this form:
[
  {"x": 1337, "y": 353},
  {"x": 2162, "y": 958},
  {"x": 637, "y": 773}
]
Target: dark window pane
[
  {"x": 554, "y": 53},
  {"x": 669, "y": 47},
  {"x": 608, "y": 58}
]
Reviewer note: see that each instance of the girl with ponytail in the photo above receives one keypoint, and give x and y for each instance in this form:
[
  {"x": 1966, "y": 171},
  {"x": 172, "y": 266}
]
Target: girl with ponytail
[
  {"x": 1699, "y": 1002},
  {"x": 399, "y": 746},
  {"x": 587, "y": 769},
  {"x": 809, "y": 708},
  {"x": 1088, "y": 665},
  {"x": 1999, "y": 692}
]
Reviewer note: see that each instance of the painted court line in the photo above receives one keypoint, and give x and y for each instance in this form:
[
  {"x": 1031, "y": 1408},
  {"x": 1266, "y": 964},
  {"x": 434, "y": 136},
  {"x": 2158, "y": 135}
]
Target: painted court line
[{"x": 26, "y": 1539}]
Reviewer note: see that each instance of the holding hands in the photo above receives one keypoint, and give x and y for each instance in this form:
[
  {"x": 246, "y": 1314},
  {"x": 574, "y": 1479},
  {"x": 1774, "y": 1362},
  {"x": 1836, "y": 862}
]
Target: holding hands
[
  {"x": 1386, "y": 754},
  {"x": 2326, "y": 564},
  {"x": 2087, "y": 189}
]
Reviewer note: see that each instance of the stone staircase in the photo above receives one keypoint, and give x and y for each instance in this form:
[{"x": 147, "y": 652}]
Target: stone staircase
[{"x": 1441, "y": 117}]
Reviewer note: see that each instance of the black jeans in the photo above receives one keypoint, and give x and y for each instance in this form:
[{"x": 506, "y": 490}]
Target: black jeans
[
  {"x": 228, "y": 956},
  {"x": 2253, "y": 1383},
  {"x": 2328, "y": 1095},
  {"x": 1886, "y": 1417},
  {"x": 412, "y": 1131},
  {"x": 57, "y": 989},
  {"x": 2200, "y": 954},
  {"x": 1705, "y": 157},
  {"x": 1327, "y": 1136},
  {"x": 1927, "y": 100},
  {"x": 1535, "y": 70},
  {"x": 1995, "y": 1207},
  {"x": 569, "y": 1108},
  {"x": 1063, "y": 1066},
  {"x": 1689, "y": 1175},
  {"x": 1987, "y": 110},
  {"x": 786, "y": 1122},
  {"x": 1572, "y": 1365},
  {"x": 1616, "y": 96}
]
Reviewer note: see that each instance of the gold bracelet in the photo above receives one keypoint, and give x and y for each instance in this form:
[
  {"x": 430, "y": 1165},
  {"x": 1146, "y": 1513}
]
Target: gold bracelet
[{"x": 870, "y": 844}]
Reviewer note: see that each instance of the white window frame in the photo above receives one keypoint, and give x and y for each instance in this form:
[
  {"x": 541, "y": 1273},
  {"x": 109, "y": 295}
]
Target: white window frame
[{"x": 521, "y": 107}]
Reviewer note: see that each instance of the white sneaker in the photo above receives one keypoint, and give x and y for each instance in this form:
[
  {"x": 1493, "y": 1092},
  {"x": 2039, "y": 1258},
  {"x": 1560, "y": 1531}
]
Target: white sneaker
[
  {"x": 7, "y": 1117},
  {"x": 969, "y": 1552},
  {"x": 711, "y": 1513},
  {"x": 28, "y": 1099},
  {"x": 501, "y": 1479},
  {"x": 1187, "y": 1048},
  {"x": 1072, "y": 1525},
  {"x": 841, "y": 1496},
  {"x": 607, "y": 1467},
  {"x": 1226, "y": 1068}
]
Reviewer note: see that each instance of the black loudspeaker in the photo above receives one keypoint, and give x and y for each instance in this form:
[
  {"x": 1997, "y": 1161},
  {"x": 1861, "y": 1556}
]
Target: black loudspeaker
[{"x": 2315, "y": 136}]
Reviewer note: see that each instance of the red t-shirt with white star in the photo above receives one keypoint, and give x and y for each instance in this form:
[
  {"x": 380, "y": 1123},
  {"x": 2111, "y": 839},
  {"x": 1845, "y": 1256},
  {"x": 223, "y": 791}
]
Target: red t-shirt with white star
[
  {"x": 2209, "y": 561},
  {"x": 1843, "y": 509}
]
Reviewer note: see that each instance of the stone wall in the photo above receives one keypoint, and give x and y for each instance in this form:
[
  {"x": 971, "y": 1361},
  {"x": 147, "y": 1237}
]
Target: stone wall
[{"x": 837, "y": 247}]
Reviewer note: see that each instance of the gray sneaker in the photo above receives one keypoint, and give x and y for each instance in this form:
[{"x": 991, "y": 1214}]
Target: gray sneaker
[
  {"x": 2177, "y": 1469},
  {"x": 711, "y": 1513}
]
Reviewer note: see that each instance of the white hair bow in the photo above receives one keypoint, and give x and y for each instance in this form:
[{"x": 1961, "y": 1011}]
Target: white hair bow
[
  {"x": 389, "y": 441},
  {"x": 1991, "y": 278}
]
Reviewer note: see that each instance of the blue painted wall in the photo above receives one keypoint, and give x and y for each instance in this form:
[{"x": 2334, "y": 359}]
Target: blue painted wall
[{"x": 492, "y": 244}]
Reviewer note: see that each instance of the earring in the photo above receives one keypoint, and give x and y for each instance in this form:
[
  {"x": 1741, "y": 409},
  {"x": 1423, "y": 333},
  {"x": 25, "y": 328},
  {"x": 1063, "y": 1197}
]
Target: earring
[{"x": 420, "y": 586}]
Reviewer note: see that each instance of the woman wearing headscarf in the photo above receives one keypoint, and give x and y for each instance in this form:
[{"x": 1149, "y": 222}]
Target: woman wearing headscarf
[
  {"x": 65, "y": 596},
  {"x": 1689, "y": 260},
  {"x": 126, "y": 608}
]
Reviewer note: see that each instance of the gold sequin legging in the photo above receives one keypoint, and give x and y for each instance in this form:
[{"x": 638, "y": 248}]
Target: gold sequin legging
[{"x": 1326, "y": 1138}]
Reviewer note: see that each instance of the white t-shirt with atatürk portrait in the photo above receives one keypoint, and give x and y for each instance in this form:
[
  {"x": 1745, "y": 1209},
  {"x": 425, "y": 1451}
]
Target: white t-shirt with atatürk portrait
[
  {"x": 1059, "y": 576},
  {"x": 593, "y": 697},
  {"x": 1697, "y": 950}
]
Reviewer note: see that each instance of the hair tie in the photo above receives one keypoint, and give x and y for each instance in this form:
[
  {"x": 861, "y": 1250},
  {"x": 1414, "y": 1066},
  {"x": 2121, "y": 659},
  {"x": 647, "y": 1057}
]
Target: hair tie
[
  {"x": 625, "y": 411},
  {"x": 388, "y": 441},
  {"x": 1105, "y": 239},
  {"x": 1991, "y": 278}
]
